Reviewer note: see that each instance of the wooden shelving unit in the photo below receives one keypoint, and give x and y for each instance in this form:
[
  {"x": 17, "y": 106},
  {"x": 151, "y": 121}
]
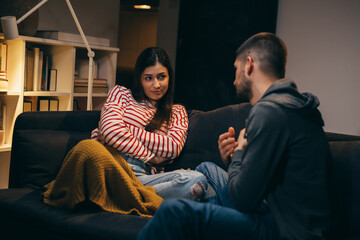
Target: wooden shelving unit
[{"x": 64, "y": 56}]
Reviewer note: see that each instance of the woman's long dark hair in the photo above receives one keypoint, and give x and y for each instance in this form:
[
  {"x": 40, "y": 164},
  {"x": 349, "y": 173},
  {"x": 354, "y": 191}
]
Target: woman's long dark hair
[{"x": 147, "y": 58}]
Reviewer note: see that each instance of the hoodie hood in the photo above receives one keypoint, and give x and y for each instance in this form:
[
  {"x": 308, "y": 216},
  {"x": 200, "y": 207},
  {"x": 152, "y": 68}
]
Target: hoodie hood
[{"x": 284, "y": 93}]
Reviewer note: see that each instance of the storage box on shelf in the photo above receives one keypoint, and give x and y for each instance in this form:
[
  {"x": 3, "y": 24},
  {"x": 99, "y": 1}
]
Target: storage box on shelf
[{"x": 60, "y": 56}]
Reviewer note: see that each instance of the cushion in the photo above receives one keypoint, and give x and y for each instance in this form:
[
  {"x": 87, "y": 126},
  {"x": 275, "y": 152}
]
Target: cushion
[
  {"x": 41, "y": 156},
  {"x": 46, "y": 137}
]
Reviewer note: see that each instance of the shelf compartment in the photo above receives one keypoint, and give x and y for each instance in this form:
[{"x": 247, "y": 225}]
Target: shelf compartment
[{"x": 45, "y": 93}]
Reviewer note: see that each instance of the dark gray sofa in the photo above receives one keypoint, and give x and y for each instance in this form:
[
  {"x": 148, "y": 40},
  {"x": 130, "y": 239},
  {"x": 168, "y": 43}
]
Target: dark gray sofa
[{"x": 41, "y": 140}]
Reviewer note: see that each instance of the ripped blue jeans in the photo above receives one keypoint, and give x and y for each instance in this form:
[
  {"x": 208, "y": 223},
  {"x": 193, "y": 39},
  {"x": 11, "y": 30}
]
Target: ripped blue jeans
[{"x": 186, "y": 184}]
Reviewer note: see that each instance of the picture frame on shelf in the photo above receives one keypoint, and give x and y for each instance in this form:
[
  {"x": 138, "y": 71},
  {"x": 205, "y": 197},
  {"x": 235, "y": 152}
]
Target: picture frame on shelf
[
  {"x": 27, "y": 106},
  {"x": 54, "y": 105},
  {"x": 43, "y": 104}
]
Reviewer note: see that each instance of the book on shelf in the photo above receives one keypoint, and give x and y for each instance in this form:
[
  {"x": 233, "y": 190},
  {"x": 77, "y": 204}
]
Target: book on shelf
[
  {"x": 83, "y": 82},
  {"x": 78, "y": 89},
  {"x": 45, "y": 73},
  {"x": 2, "y": 123},
  {"x": 52, "y": 79},
  {"x": 70, "y": 37},
  {"x": 3, "y": 75},
  {"x": 40, "y": 67},
  {"x": 33, "y": 101},
  {"x": 29, "y": 68},
  {"x": 3, "y": 60},
  {"x": 4, "y": 85},
  {"x": 2, "y": 137},
  {"x": 99, "y": 85},
  {"x": 36, "y": 69}
]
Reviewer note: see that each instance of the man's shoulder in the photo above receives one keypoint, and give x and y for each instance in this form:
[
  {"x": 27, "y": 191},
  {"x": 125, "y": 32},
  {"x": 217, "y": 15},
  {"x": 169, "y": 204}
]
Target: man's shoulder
[
  {"x": 267, "y": 108},
  {"x": 267, "y": 115}
]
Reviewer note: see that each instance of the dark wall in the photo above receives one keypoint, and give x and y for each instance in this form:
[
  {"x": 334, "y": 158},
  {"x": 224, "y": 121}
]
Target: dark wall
[{"x": 209, "y": 33}]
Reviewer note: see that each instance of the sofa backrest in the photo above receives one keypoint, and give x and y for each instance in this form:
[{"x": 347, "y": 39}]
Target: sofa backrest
[
  {"x": 203, "y": 134},
  {"x": 41, "y": 141}
]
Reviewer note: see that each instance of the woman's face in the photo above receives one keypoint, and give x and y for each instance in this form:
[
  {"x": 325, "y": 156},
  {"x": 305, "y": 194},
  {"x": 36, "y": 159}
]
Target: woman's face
[{"x": 155, "y": 82}]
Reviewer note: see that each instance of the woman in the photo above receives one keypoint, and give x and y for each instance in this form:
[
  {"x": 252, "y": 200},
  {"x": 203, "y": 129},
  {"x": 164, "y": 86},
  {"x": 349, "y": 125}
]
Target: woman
[{"x": 148, "y": 130}]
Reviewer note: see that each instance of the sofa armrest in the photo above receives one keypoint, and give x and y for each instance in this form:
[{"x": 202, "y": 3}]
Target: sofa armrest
[
  {"x": 344, "y": 185},
  {"x": 41, "y": 141}
]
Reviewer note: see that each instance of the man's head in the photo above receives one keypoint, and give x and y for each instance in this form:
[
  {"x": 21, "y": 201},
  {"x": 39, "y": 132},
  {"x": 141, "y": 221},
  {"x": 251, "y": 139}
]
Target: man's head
[{"x": 267, "y": 53}]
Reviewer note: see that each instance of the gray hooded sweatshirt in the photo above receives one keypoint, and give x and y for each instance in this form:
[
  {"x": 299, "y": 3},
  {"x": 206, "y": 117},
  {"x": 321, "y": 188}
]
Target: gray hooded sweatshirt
[{"x": 285, "y": 162}]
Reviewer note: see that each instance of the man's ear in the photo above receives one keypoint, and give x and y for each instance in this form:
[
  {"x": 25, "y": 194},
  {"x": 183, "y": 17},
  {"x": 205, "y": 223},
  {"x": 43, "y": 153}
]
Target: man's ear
[{"x": 249, "y": 66}]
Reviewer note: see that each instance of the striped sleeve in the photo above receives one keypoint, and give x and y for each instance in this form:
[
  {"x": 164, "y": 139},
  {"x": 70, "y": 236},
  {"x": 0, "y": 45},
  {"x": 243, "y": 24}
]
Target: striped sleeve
[
  {"x": 113, "y": 129},
  {"x": 170, "y": 144}
]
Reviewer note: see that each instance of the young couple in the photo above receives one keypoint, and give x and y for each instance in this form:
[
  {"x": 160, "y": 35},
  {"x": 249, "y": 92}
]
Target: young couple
[{"x": 277, "y": 175}]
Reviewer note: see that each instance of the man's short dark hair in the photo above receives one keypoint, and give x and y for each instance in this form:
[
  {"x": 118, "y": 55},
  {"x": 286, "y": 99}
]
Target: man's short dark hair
[{"x": 268, "y": 50}]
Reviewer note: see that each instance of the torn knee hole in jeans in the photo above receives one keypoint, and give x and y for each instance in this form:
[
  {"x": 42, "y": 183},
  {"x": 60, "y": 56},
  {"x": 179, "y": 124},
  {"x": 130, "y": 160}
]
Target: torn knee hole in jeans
[{"x": 197, "y": 192}]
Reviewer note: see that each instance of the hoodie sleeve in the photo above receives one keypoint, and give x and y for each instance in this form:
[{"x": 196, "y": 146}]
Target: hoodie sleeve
[{"x": 251, "y": 171}]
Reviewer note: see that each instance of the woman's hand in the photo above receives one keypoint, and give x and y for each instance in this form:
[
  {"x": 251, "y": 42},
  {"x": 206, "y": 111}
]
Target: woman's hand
[
  {"x": 160, "y": 161},
  {"x": 227, "y": 144}
]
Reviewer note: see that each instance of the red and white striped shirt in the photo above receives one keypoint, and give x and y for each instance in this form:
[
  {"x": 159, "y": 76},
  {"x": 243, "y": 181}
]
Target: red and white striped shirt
[{"x": 123, "y": 121}]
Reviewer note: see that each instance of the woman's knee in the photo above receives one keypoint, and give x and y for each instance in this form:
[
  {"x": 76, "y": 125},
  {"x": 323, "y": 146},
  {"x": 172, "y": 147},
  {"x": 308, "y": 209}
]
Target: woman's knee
[
  {"x": 197, "y": 177},
  {"x": 196, "y": 181},
  {"x": 206, "y": 167}
]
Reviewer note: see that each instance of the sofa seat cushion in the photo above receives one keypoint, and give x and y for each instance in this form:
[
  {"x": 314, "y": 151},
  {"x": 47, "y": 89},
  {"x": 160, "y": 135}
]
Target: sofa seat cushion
[{"x": 23, "y": 211}]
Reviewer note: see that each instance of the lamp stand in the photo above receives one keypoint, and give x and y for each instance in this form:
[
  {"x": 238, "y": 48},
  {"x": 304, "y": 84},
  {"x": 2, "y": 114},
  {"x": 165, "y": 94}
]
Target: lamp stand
[
  {"x": 9, "y": 25},
  {"x": 91, "y": 55}
]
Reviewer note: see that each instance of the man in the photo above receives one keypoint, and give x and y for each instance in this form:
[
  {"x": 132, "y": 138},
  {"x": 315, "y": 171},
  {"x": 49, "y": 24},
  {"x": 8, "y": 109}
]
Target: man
[{"x": 277, "y": 177}]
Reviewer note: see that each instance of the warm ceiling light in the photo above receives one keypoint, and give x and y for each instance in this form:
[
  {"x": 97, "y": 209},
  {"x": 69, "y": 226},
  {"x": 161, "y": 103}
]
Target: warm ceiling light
[{"x": 142, "y": 6}]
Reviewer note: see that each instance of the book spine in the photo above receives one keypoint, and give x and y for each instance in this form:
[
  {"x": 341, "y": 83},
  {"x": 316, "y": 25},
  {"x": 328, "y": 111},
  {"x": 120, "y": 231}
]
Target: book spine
[
  {"x": 29, "y": 69},
  {"x": 36, "y": 68}
]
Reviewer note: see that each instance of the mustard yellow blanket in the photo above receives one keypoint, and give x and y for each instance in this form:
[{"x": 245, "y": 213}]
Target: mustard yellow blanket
[{"x": 98, "y": 173}]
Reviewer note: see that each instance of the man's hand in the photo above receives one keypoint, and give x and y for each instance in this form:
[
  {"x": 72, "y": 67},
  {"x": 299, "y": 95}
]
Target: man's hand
[
  {"x": 227, "y": 144},
  {"x": 242, "y": 141}
]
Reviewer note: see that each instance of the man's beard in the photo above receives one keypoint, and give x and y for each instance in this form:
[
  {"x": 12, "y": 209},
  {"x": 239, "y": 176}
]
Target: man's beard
[{"x": 244, "y": 89}]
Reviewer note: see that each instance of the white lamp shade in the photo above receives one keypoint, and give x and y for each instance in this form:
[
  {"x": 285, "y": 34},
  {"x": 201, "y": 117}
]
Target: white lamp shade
[{"x": 9, "y": 27}]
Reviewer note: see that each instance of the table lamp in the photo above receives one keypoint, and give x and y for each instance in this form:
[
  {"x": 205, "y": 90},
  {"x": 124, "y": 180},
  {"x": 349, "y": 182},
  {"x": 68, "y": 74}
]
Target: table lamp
[{"x": 10, "y": 30}]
